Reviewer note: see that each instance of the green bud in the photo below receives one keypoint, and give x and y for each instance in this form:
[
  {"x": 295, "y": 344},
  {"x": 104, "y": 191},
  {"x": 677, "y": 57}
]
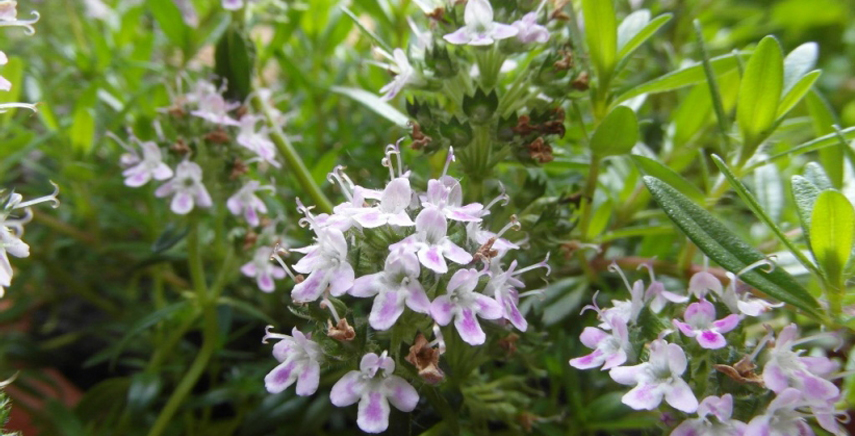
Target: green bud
[
  {"x": 440, "y": 62},
  {"x": 458, "y": 134}
]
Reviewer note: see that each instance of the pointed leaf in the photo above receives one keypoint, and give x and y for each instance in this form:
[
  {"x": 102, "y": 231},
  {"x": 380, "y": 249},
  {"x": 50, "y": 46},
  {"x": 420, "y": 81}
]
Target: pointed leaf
[
  {"x": 728, "y": 250},
  {"x": 601, "y": 35},
  {"x": 759, "y": 94},
  {"x": 760, "y": 213},
  {"x": 654, "y": 168},
  {"x": 630, "y": 26},
  {"x": 805, "y": 194},
  {"x": 617, "y": 134},
  {"x": 832, "y": 229},
  {"x": 690, "y": 75},
  {"x": 374, "y": 103},
  {"x": 798, "y": 62},
  {"x": 640, "y": 36},
  {"x": 797, "y": 92}
]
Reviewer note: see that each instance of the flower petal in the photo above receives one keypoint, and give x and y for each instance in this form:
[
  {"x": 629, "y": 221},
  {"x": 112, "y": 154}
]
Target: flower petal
[
  {"x": 711, "y": 340},
  {"x": 401, "y": 394},
  {"x": 645, "y": 396},
  {"x": 366, "y": 286},
  {"x": 469, "y": 328},
  {"x": 348, "y": 389},
  {"x": 373, "y": 413},
  {"x": 442, "y": 310},
  {"x": 487, "y": 307},
  {"x": 284, "y": 375},
  {"x": 431, "y": 257},
  {"x": 727, "y": 323},
  {"x": 182, "y": 203},
  {"x": 680, "y": 396},
  {"x": 386, "y": 310},
  {"x": 307, "y": 381},
  {"x": 341, "y": 280}
]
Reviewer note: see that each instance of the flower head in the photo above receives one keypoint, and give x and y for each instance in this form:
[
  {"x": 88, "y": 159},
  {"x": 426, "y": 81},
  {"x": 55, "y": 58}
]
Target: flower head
[
  {"x": 392, "y": 208},
  {"x": 431, "y": 242},
  {"x": 146, "y": 167},
  {"x": 657, "y": 379},
  {"x": 404, "y": 75},
  {"x": 374, "y": 386},
  {"x": 186, "y": 189},
  {"x": 462, "y": 304},
  {"x": 393, "y": 288},
  {"x": 700, "y": 323},
  {"x": 257, "y": 140},
  {"x": 247, "y": 203},
  {"x": 529, "y": 31},
  {"x": 781, "y": 417},
  {"x": 299, "y": 359},
  {"x": 262, "y": 269},
  {"x": 211, "y": 106},
  {"x": 787, "y": 368},
  {"x": 480, "y": 28},
  {"x": 611, "y": 348},
  {"x": 326, "y": 263},
  {"x": 719, "y": 407}
]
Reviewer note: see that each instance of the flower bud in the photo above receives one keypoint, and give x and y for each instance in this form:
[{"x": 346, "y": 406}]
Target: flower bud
[{"x": 481, "y": 106}]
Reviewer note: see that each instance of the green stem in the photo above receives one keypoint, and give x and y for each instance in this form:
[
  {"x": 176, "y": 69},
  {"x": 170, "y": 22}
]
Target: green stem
[
  {"x": 295, "y": 163},
  {"x": 721, "y": 116},
  {"x": 588, "y": 197}
]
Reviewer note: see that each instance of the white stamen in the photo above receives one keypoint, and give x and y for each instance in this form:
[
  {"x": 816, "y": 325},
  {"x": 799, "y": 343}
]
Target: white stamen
[
  {"x": 276, "y": 256},
  {"x": 769, "y": 262},
  {"x": 270, "y": 335},
  {"x": 616, "y": 269},
  {"x": 47, "y": 198},
  {"x": 543, "y": 264},
  {"x": 448, "y": 160}
]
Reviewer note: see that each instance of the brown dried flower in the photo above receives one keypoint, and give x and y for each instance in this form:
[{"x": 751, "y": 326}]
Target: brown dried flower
[
  {"x": 426, "y": 359},
  {"x": 341, "y": 332}
]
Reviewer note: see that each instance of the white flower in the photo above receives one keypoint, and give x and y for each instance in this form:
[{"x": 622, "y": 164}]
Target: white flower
[
  {"x": 263, "y": 270},
  {"x": 480, "y": 28},
  {"x": 186, "y": 188},
  {"x": 781, "y": 417},
  {"x": 392, "y": 208},
  {"x": 529, "y": 31},
  {"x": 700, "y": 323},
  {"x": 232, "y": 5},
  {"x": 298, "y": 356},
  {"x": 611, "y": 349},
  {"x": 405, "y": 74},
  {"x": 396, "y": 286},
  {"x": 431, "y": 243},
  {"x": 462, "y": 304},
  {"x": 9, "y": 17},
  {"x": 257, "y": 141},
  {"x": 149, "y": 166},
  {"x": 326, "y": 264},
  {"x": 374, "y": 387},
  {"x": 247, "y": 203},
  {"x": 660, "y": 377},
  {"x": 719, "y": 407},
  {"x": 210, "y": 104},
  {"x": 5, "y": 85}
]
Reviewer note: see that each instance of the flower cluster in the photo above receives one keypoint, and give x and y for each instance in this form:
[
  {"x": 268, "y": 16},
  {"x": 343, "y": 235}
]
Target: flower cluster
[
  {"x": 793, "y": 386},
  {"x": 14, "y": 211},
  {"x": 437, "y": 259}
]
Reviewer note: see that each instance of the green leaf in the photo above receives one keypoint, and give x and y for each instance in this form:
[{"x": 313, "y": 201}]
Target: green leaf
[
  {"x": 374, "y": 103},
  {"x": 168, "y": 16},
  {"x": 601, "y": 35},
  {"x": 824, "y": 120},
  {"x": 617, "y": 134},
  {"x": 797, "y": 92},
  {"x": 812, "y": 145},
  {"x": 690, "y": 75},
  {"x": 769, "y": 190},
  {"x": 832, "y": 231},
  {"x": 728, "y": 250},
  {"x": 366, "y": 30},
  {"x": 760, "y": 213},
  {"x": 804, "y": 194},
  {"x": 798, "y": 63},
  {"x": 816, "y": 174},
  {"x": 144, "y": 389},
  {"x": 630, "y": 36},
  {"x": 234, "y": 62},
  {"x": 653, "y": 167},
  {"x": 147, "y": 321},
  {"x": 82, "y": 132},
  {"x": 759, "y": 94}
]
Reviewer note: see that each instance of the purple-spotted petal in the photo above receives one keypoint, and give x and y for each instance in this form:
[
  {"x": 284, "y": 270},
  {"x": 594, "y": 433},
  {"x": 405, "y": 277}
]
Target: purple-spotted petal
[
  {"x": 680, "y": 396},
  {"x": 401, "y": 394},
  {"x": 645, "y": 396},
  {"x": 417, "y": 299},
  {"x": 469, "y": 328},
  {"x": 711, "y": 340},
  {"x": 373, "y": 413},
  {"x": 588, "y": 361},
  {"x": 311, "y": 288},
  {"x": 431, "y": 257},
  {"x": 284, "y": 375},
  {"x": 348, "y": 389},
  {"x": 592, "y": 336},
  {"x": 341, "y": 280},
  {"x": 727, "y": 323},
  {"x": 265, "y": 282},
  {"x": 487, "y": 307},
  {"x": 385, "y": 311},
  {"x": 248, "y": 269},
  {"x": 182, "y": 203},
  {"x": 307, "y": 381},
  {"x": 614, "y": 360},
  {"x": 512, "y": 313},
  {"x": 458, "y": 37},
  {"x": 366, "y": 286},
  {"x": 442, "y": 310},
  {"x": 454, "y": 253},
  {"x": 503, "y": 31}
]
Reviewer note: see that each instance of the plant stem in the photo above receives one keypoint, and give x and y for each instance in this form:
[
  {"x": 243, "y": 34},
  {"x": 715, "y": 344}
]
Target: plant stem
[
  {"x": 588, "y": 197},
  {"x": 295, "y": 163}
]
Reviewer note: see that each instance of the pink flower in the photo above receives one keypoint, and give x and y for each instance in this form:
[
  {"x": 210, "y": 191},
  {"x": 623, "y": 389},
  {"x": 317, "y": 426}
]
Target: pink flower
[
  {"x": 374, "y": 387},
  {"x": 611, "y": 349},
  {"x": 462, "y": 304},
  {"x": 431, "y": 242},
  {"x": 146, "y": 167},
  {"x": 719, "y": 407},
  {"x": 298, "y": 357},
  {"x": 480, "y": 28},
  {"x": 392, "y": 208},
  {"x": 394, "y": 287},
  {"x": 657, "y": 379},
  {"x": 702, "y": 325},
  {"x": 186, "y": 189},
  {"x": 529, "y": 31},
  {"x": 781, "y": 417},
  {"x": 263, "y": 270},
  {"x": 247, "y": 203},
  {"x": 326, "y": 264}
]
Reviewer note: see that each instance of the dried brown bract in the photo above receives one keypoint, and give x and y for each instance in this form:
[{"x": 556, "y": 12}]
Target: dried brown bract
[
  {"x": 426, "y": 359},
  {"x": 509, "y": 343},
  {"x": 218, "y": 136},
  {"x": 341, "y": 332},
  {"x": 540, "y": 151},
  {"x": 741, "y": 372}
]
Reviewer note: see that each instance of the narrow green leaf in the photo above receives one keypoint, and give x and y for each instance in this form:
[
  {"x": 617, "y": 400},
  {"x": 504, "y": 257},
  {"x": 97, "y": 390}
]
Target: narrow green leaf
[
  {"x": 169, "y": 17},
  {"x": 832, "y": 231},
  {"x": 728, "y": 250},
  {"x": 627, "y": 48},
  {"x": 798, "y": 63},
  {"x": 824, "y": 120},
  {"x": 617, "y": 134},
  {"x": 601, "y": 35},
  {"x": 797, "y": 92},
  {"x": 234, "y": 58},
  {"x": 759, "y": 94},
  {"x": 812, "y": 145},
  {"x": 769, "y": 190},
  {"x": 82, "y": 132},
  {"x": 758, "y": 211},
  {"x": 366, "y": 30},
  {"x": 654, "y": 168},
  {"x": 374, "y": 103},
  {"x": 690, "y": 75},
  {"x": 630, "y": 26},
  {"x": 804, "y": 194},
  {"x": 815, "y": 173}
]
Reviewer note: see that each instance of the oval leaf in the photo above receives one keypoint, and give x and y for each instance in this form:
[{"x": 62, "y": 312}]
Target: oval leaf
[
  {"x": 832, "y": 229},
  {"x": 759, "y": 93},
  {"x": 798, "y": 63},
  {"x": 617, "y": 133},
  {"x": 728, "y": 250},
  {"x": 798, "y": 91}
]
